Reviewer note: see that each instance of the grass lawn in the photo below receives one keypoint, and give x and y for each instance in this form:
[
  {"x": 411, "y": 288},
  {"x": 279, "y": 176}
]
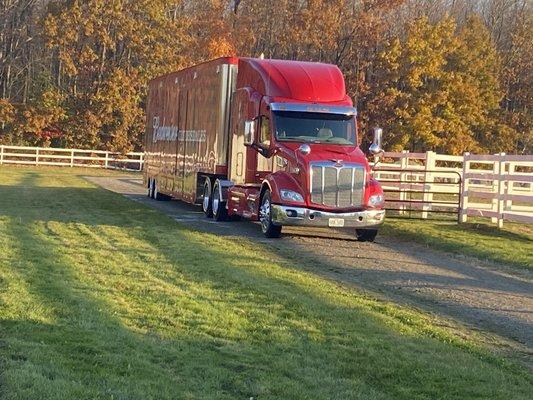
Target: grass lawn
[
  {"x": 512, "y": 245},
  {"x": 104, "y": 298}
]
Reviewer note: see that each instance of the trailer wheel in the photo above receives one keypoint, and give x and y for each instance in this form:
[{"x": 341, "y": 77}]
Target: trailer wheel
[
  {"x": 366, "y": 235},
  {"x": 219, "y": 207},
  {"x": 157, "y": 194},
  {"x": 265, "y": 216},
  {"x": 207, "y": 199},
  {"x": 151, "y": 188}
]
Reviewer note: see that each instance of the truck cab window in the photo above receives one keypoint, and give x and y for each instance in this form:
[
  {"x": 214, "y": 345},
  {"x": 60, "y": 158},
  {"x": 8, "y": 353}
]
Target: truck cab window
[{"x": 264, "y": 139}]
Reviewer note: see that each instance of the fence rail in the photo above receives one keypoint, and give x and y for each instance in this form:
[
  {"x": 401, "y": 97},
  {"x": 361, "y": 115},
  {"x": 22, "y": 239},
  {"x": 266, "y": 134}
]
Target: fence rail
[{"x": 70, "y": 158}]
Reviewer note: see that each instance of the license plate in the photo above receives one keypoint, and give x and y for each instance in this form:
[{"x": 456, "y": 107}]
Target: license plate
[{"x": 336, "y": 222}]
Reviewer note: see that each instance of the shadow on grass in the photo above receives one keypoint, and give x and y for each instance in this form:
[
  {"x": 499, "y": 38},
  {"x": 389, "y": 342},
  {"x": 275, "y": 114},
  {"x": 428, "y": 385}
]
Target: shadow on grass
[
  {"x": 279, "y": 336},
  {"x": 455, "y": 238}
]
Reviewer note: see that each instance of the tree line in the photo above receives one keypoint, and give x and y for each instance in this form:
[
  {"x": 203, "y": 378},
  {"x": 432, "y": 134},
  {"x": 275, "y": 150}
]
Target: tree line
[{"x": 443, "y": 75}]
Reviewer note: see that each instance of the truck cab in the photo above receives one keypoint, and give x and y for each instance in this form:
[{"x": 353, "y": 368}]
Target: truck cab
[{"x": 294, "y": 157}]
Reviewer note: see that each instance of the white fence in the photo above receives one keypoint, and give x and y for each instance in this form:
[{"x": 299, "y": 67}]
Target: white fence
[
  {"x": 425, "y": 182},
  {"x": 70, "y": 158},
  {"x": 499, "y": 187}
]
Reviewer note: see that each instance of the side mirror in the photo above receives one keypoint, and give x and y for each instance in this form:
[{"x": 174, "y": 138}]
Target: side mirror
[
  {"x": 375, "y": 148},
  {"x": 249, "y": 132}
]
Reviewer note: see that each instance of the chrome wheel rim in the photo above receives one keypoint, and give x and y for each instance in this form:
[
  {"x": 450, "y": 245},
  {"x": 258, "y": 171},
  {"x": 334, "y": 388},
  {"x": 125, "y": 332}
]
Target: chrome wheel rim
[
  {"x": 207, "y": 195},
  {"x": 215, "y": 200},
  {"x": 264, "y": 215}
]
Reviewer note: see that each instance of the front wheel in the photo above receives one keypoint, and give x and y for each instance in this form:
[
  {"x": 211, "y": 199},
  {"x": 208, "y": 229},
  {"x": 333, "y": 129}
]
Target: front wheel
[
  {"x": 265, "y": 217},
  {"x": 366, "y": 235}
]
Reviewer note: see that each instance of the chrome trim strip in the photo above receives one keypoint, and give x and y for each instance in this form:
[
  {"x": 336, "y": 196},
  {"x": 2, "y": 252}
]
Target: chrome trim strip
[
  {"x": 310, "y": 217},
  {"x": 313, "y": 108}
]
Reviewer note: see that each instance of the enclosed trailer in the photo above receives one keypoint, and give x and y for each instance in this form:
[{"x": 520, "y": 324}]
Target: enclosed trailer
[{"x": 187, "y": 127}]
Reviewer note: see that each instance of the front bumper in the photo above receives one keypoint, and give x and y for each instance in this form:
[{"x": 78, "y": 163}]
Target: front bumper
[{"x": 297, "y": 216}]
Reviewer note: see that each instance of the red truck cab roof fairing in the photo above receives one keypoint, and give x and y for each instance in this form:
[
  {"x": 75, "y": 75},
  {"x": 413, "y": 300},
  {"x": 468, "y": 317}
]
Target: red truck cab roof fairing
[{"x": 282, "y": 80}]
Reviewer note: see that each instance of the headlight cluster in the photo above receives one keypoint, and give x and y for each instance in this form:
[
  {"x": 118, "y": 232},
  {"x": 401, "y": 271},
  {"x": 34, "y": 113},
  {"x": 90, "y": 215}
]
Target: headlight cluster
[
  {"x": 291, "y": 195},
  {"x": 376, "y": 200}
]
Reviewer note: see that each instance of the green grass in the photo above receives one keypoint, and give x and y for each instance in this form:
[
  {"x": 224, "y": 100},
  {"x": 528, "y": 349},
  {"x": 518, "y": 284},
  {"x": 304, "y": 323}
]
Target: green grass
[
  {"x": 512, "y": 245},
  {"x": 104, "y": 298}
]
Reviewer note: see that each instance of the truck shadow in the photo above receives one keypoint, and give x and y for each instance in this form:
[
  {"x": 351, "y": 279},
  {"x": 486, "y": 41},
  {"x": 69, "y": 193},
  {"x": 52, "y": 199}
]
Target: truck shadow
[{"x": 396, "y": 270}]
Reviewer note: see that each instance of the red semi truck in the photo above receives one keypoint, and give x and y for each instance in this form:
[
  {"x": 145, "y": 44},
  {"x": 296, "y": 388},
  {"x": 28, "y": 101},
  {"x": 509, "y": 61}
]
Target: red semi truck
[{"x": 268, "y": 140}]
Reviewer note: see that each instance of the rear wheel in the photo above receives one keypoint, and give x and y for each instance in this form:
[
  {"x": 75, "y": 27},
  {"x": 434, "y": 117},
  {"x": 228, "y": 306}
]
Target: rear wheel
[
  {"x": 366, "y": 235},
  {"x": 220, "y": 213},
  {"x": 157, "y": 194},
  {"x": 265, "y": 217},
  {"x": 151, "y": 188},
  {"x": 207, "y": 199}
]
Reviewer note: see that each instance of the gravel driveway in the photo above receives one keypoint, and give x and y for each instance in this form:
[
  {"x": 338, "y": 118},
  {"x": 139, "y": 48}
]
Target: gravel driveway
[{"x": 493, "y": 300}]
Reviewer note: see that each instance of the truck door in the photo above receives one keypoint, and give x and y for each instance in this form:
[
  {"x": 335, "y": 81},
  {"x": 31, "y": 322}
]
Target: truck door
[
  {"x": 264, "y": 165},
  {"x": 243, "y": 159}
]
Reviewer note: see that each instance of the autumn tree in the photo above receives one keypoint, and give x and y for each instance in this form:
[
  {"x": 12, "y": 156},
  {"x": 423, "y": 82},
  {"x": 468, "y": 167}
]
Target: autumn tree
[
  {"x": 517, "y": 80},
  {"x": 439, "y": 88},
  {"x": 74, "y": 73},
  {"x": 104, "y": 54}
]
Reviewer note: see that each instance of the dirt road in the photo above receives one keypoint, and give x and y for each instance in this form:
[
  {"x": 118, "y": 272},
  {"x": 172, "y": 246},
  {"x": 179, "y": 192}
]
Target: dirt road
[{"x": 495, "y": 301}]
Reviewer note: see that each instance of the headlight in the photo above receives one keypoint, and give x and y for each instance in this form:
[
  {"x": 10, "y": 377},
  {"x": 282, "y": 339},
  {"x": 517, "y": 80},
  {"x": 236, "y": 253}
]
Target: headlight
[
  {"x": 376, "y": 200},
  {"x": 290, "y": 195}
]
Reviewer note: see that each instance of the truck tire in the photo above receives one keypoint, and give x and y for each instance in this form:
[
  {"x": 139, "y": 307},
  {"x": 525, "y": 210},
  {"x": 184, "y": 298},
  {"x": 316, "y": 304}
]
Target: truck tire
[
  {"x": 220, "y": 213},
  {"x": 366, "y": 235},
  {"x": 207, "y": 199},
  {"x": 157, "y": 194},
  {"x": 265, "y": 217},
  {"x": 150, "y": 188}
]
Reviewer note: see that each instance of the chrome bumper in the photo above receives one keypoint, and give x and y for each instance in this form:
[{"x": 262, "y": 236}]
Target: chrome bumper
[{"x": 296, "y": 216}]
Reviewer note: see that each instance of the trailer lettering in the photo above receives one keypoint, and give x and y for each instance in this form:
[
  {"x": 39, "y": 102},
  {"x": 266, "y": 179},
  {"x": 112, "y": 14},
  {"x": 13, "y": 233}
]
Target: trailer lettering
[{"x": 171, "y": 133}]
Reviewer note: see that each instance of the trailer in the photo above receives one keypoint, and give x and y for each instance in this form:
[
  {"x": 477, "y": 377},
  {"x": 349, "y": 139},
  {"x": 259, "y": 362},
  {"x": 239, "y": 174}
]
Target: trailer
[{"x": 268, "y": 140}]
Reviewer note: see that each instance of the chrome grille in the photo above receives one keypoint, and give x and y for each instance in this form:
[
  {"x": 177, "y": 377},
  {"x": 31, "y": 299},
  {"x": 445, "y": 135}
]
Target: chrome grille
[{"x": 337, "y": 186}]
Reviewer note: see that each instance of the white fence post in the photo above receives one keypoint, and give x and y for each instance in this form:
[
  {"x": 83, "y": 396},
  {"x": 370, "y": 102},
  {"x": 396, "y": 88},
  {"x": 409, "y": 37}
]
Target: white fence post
[
  {"x": 501, "y": 189},
  {"x": 106, "y": 162},
  {"x": 428, "y": 195},
  {"x": 1, "y": 154},
  {"x": 72, "y": 158},
  {"x": 463, "y": 216},
  {"x": 495, "y": 189},
  {"x": 508, "y": 205},
  {"x": 404, "y": 164},
  {"x": 37, "y": 157}
]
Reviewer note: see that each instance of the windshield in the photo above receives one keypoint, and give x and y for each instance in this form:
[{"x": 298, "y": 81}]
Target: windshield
[{"x": 310, "y": 127}]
